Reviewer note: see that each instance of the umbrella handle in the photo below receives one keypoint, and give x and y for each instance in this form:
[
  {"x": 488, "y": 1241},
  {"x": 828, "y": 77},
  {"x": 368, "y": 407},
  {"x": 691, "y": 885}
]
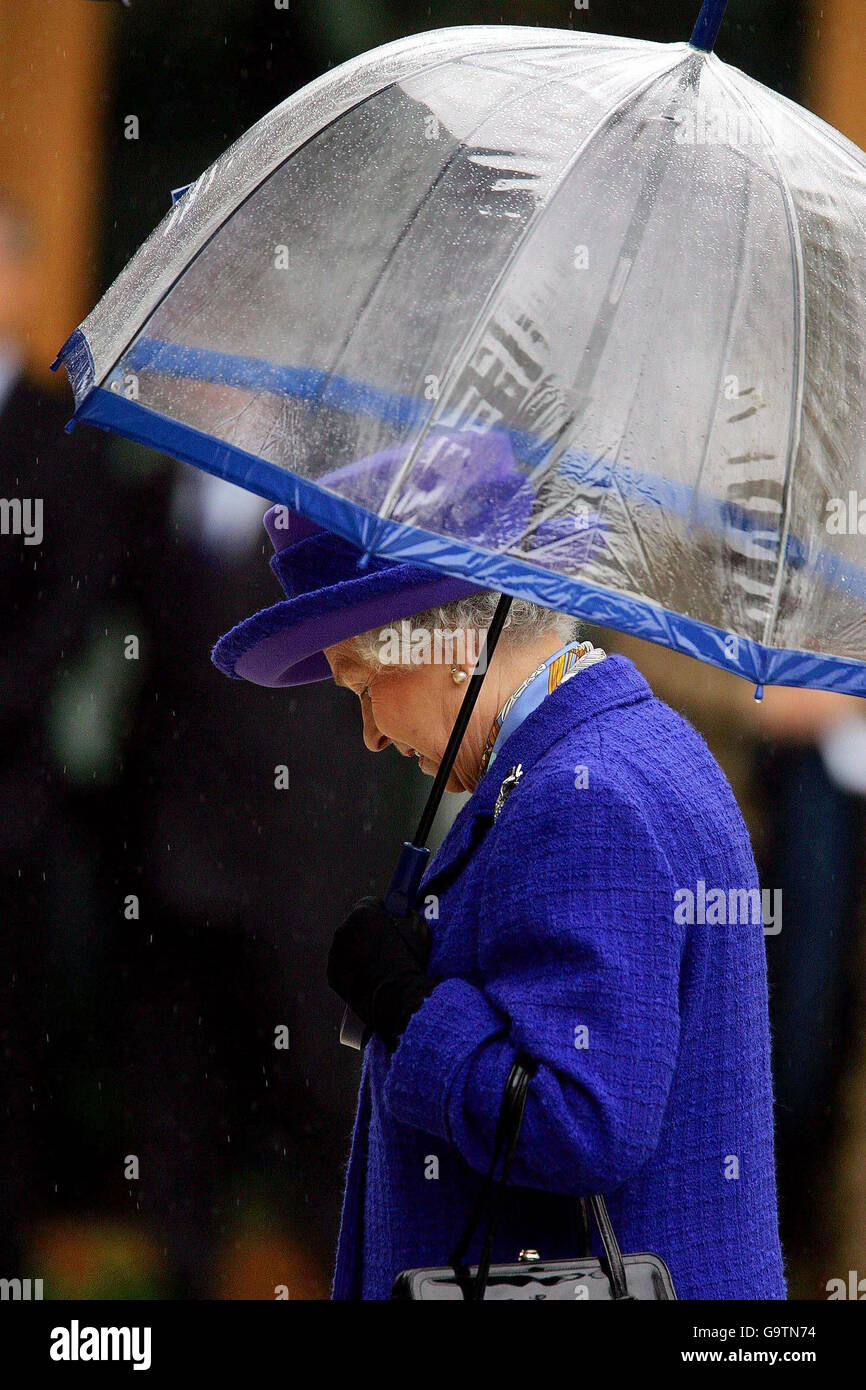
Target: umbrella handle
[
  {"x": 398, "y": 901},
  {"x": 353, "y": 1032}
]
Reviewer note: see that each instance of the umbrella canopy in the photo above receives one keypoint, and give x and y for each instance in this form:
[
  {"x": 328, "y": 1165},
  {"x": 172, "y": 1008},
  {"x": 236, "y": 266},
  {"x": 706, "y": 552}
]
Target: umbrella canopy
[{"x": 645, "y": 271}]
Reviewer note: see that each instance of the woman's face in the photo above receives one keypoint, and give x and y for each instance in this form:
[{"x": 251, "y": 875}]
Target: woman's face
[{"x": 412, "y": 707}]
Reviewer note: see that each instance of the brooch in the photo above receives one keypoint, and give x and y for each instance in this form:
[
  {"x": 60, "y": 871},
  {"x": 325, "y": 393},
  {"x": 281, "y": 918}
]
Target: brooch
[{"x": 508, "y": 785}]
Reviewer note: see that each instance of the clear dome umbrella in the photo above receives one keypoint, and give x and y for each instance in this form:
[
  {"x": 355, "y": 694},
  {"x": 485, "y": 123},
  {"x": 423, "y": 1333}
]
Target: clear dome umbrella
[
  {"x": 643, "y": 270},
  {"x": 646, "y": 269}
]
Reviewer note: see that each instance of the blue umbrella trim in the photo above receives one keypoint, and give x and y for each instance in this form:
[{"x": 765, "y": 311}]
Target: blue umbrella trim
[
  {"x": 402, "y": 412},
  {"x": 755, "y": 662}
]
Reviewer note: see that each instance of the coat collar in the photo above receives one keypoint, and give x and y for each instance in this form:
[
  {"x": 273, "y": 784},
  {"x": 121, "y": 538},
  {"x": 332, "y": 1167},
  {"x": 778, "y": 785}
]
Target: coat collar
[{"x": 609, "y": 684}]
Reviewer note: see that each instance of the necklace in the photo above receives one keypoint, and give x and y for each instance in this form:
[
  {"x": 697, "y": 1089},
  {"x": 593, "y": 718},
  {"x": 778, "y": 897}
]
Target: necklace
[{"x": 558, "y": 668}]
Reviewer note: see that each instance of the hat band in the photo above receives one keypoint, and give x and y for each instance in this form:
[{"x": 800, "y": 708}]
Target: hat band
[{"x": 320, "y": 562}]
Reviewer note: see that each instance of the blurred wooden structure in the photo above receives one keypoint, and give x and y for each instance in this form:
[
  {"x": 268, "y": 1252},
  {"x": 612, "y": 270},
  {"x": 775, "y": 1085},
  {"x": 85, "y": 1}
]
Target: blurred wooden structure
[
  {"x": 53, "y": 61},
  {"x": 835, "y": 64}
]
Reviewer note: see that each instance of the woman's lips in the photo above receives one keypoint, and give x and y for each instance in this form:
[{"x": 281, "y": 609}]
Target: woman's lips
[{"x": 414, "y": 753}]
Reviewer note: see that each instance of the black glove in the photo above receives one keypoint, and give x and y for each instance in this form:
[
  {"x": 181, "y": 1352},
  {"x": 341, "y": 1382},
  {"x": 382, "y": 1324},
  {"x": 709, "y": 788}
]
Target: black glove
[{"x": 377, "y": 966}]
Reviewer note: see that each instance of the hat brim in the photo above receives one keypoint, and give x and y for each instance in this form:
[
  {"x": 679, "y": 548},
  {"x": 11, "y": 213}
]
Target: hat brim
[{"x": 284, "y": 645}]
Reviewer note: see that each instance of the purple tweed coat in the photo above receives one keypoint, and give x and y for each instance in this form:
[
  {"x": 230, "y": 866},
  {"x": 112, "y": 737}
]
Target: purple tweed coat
[{"x": 557, "y": 934}]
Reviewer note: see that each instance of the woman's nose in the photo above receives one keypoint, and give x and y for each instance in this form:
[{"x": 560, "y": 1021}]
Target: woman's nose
[{"x": 376, "y": 741}]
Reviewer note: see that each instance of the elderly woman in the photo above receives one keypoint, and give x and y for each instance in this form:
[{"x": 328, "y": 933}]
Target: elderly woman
[{"x": 580, "y": 911}]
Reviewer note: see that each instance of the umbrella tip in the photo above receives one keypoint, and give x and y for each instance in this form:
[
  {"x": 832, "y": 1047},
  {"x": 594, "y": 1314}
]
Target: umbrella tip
[
  {"x": 759, "y": 692},
  {"x": 708, "y": 24}
]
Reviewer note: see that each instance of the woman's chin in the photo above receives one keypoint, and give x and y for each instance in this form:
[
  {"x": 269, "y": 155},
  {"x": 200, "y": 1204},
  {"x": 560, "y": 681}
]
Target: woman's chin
[{"x": 430, "y": 768}]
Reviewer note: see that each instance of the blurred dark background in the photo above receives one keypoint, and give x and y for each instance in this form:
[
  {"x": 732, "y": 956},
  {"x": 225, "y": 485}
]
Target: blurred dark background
[{"x": 165, "y": 908}]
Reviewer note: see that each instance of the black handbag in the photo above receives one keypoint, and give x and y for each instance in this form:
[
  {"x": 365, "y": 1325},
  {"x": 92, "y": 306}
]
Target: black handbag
[{"x": 613, "y": 1277}]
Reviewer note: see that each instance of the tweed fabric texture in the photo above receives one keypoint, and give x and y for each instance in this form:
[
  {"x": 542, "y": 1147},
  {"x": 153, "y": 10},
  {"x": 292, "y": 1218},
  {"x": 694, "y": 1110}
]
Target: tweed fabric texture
[{"x": 555, "y": 932}]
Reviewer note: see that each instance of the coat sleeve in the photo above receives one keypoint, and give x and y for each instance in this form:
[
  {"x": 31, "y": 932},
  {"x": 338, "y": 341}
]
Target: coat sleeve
[{"x": 579, "y": 966}]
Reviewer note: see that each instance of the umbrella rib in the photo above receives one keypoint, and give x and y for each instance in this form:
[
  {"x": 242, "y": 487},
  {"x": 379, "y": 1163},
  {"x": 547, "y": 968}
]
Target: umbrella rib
[
  {"x": 799, "y": 311},
  {"x": 260, "y": 182},
  {"x": 460, "y": 146},
  {"x": 478, "y": 327},
  {"x": 699, "y": 477},
  {"x": 599, "y": 335},
  {"x": 814, "y": 126}
]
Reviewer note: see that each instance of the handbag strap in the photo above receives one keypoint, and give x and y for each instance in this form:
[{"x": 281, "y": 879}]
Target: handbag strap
[{"x": 492, "y": 1193}]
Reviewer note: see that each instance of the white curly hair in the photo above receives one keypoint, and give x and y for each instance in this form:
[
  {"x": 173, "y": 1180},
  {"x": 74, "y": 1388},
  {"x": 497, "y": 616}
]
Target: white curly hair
[{"x": 525, "y": 621}]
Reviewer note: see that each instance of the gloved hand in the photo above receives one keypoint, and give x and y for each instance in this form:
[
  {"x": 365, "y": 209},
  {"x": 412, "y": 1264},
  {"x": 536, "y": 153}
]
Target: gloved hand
[{"x": 377, "y": 966}]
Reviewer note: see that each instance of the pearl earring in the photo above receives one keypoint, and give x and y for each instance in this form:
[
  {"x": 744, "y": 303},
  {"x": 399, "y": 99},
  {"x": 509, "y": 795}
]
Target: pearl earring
[{"x": 457, "y": 675}]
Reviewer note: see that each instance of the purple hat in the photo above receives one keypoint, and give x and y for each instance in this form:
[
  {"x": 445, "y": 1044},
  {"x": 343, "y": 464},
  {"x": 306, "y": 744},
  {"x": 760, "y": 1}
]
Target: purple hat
[{"x": 329, "y": 599}]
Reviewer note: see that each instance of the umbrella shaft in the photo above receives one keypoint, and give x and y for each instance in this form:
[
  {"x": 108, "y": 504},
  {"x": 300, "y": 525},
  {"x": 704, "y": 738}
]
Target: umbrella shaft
[
  {"x": 460, "y": 724},
  {"x": 410, "y": 866},
  {"x": 708, "y": 24}
]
